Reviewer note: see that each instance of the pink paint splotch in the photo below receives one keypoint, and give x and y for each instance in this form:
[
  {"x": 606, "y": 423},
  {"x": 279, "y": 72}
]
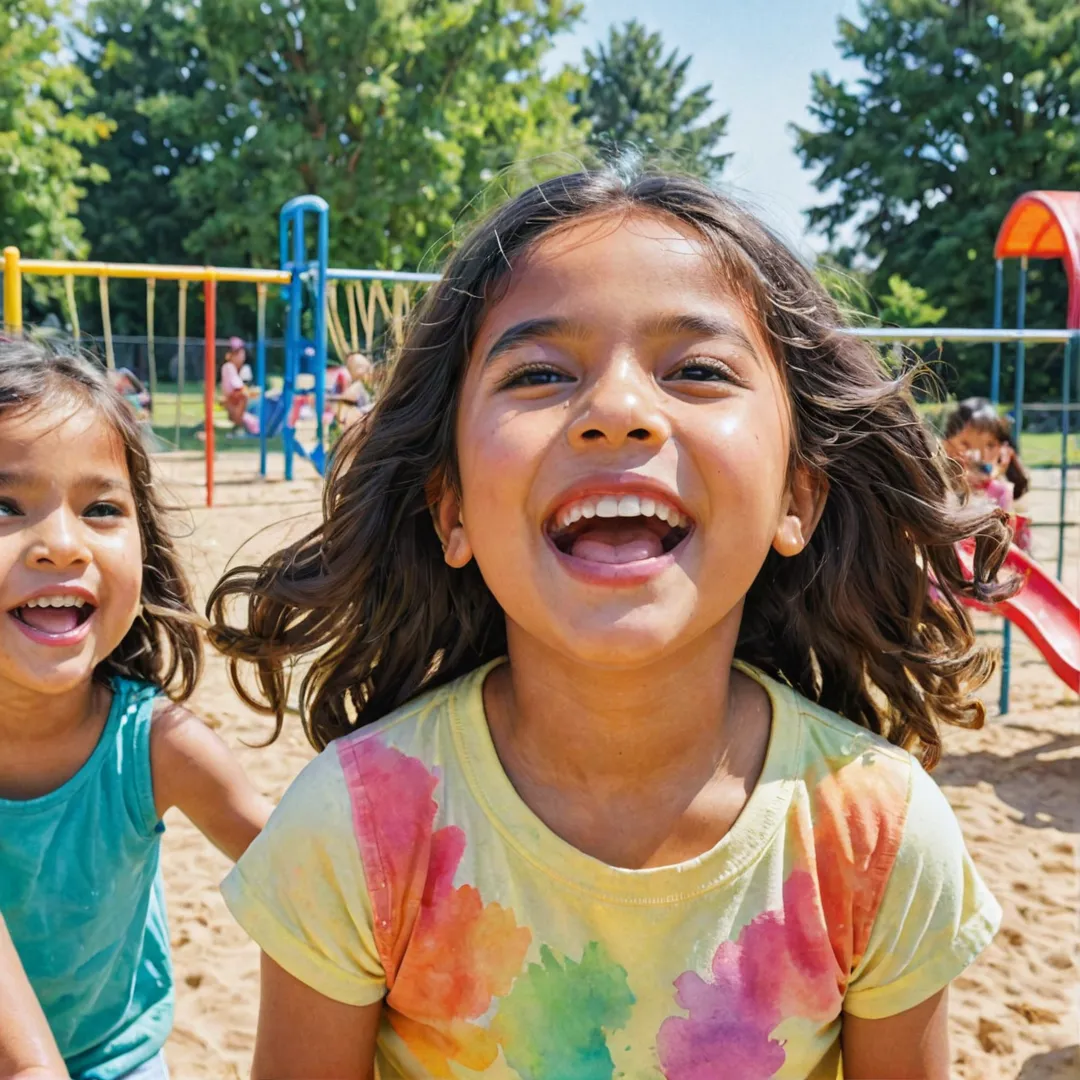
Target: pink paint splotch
[
  {"x": 781, "y": 965},
  {"x": 461, "y": 953}
]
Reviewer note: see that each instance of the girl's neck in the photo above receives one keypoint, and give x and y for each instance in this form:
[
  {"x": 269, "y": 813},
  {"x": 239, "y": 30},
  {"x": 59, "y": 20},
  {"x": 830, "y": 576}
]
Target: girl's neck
[
  {"x": 636, "y": 768},
  {"x": 45, "y": 739},
  {"x": 614, "y": 729},
  {"x": 29, "y": 716}
]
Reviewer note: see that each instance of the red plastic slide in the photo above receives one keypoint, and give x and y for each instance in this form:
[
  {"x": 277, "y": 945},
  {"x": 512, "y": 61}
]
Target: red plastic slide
[{"x": 1042, "y": 609}]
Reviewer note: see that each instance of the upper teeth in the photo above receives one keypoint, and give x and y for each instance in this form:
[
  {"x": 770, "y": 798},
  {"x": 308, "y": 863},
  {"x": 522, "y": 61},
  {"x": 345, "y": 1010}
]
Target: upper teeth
[
  {"x": 56, "y": 601},
  {"x": 628, "y": 506}
]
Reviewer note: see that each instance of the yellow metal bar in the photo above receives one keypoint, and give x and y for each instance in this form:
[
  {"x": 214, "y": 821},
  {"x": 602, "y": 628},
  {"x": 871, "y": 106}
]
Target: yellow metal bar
[
  {"x": 12, "y": 291},
  {"x": 60, "y": 267}
]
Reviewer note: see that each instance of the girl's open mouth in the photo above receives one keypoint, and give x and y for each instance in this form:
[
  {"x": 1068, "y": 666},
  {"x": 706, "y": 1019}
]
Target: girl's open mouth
[
  {"x": 54, "y": 620},
  {"x": 617, "y": 530}
]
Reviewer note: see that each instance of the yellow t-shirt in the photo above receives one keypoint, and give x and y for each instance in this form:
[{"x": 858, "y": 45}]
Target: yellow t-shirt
[{"x": 402, "y": 864}]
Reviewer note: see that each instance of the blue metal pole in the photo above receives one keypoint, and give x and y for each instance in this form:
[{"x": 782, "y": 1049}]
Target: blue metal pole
[
  {"x": 1018, "y": 426},
  {"x": 1071, "y": 350},
  {"x": 260, "y": 371},
  {"x": 1021, "y": 347},
  {"x": 292, "y": 340},
  {"x": 323, "y": 256},
  {"x": 995, "y": 369}
]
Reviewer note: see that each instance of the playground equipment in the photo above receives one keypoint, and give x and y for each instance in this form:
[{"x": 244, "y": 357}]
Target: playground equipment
[
  {"x": 306, "y": 282},
  {"x": 1039, "y": 225},
  {"x": 16, "y": 267},
  {"x": 312, "y": 291},
  {"x": 1042, "y": 609}
]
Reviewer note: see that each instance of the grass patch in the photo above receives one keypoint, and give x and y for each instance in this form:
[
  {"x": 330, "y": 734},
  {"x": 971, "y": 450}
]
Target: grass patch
[
  {"x": 188, "y": 410},
  {"x": 1038, "y": 451}
]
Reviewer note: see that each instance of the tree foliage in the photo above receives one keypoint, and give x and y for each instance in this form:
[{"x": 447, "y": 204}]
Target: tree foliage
[
  {"x": 44, "y": 124},
  {"x": 395, "y": 111},
  {"x": 138, "y": 53},
  {"x": 962, "y": 108},
  {"x": 635, "y": 97}
]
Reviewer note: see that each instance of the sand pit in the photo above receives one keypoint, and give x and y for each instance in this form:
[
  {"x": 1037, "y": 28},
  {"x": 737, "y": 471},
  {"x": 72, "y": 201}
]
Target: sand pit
[{"x": 1015, "y": 786}]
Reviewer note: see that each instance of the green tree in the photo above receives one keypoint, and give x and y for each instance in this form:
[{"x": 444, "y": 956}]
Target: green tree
[
  {"x": 907, "y": 305},
  {"x": 902, "y": 304},
  {"x": 962, "y": 107},
  {"x": 397, "y": 112},
  {"x": 44, "y": 124},
  {"x": 137, "y": 52},
  {"x": 635, "y": 97}
]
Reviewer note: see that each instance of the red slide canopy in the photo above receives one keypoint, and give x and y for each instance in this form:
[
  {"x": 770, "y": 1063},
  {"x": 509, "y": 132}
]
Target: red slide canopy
[{"x": 1046, "y": 225}]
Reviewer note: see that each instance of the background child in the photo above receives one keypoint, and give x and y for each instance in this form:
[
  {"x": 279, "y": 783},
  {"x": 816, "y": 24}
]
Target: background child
[
  {"x": 978, "y": 438},
  {"x": 351, "y": 389},
  {"x": 96, "y": 625},
  {"x": 678, "y": 833},
  {"x": 234, "y": 389}
]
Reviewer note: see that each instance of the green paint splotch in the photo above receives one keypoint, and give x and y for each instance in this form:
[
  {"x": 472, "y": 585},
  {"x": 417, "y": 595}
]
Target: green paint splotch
[{"x": 554, "y": 1022}]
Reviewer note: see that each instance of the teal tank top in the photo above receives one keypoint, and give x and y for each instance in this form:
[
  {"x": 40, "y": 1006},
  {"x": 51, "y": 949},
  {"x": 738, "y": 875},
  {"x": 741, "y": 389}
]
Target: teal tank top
[{"x": 81, "y": 892}]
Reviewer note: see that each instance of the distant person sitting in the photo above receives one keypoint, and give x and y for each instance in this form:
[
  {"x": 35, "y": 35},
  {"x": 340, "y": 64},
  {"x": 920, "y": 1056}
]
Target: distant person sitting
[
  {"x": 234, "y": 390},
  {"x": 350, "y": 389}
]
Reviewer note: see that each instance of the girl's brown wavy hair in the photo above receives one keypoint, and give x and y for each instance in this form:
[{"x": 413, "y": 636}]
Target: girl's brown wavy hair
[
  {"x": 163, "y": 646},
  {"x": 367, "y": 601}
]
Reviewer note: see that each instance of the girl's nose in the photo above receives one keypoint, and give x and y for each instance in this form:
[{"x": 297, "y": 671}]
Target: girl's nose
[
  {"x": 624, "y": 405},
  {"x": 58, "y": 543}
]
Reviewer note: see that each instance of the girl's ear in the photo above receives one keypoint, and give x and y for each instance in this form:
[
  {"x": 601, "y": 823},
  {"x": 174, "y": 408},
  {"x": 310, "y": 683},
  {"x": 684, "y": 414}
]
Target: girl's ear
[
  {"x": 446, "y": 515},
  {"x": 805, "y": 505}
]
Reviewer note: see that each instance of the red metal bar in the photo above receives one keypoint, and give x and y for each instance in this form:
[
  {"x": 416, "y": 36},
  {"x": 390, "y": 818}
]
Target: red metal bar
[{"x": 210, "y": 295}]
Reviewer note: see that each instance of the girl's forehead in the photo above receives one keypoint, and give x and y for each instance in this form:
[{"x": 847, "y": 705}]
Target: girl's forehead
[
  {"x": 661, "y": 243},
  {"x": 64, "y": 428},
  {"x": 614, "y": 269}
]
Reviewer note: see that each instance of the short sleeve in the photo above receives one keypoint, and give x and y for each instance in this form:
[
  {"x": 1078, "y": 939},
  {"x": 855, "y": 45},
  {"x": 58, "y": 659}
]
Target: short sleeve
[
  {"x": 299, "y": 890},
  {"x": 935, "y": 917}
]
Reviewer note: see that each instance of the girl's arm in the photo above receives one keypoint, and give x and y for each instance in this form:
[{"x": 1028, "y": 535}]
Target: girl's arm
[
  {"x": 303, "y": 1035},
  {"x": 194, "y": 771},
  {"x": 913, "y": 1045},
  {"x": 27, "y": 1048}
]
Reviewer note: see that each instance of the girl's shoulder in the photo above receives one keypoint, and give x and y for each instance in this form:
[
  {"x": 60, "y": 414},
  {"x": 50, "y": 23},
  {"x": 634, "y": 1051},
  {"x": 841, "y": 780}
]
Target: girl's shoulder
[
  {"x": 871, "y": 797},
  {"x": 404, "y": 750},
  {"x": 817, "y": 742},
  {"x": 865, "y": 796},
  {"x": 427, "y": 728}
]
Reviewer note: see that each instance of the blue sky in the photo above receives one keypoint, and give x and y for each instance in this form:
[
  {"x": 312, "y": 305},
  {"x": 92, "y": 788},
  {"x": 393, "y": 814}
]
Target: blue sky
[{"x": 758, "y": 55}]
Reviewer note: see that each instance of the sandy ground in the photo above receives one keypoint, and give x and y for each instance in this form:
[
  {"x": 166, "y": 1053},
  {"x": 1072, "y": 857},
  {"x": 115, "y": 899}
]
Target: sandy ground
[{"x": 1015, "y": 786}]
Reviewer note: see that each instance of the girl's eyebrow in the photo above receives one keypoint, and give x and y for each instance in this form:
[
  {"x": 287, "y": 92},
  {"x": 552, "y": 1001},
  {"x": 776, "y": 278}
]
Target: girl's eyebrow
[
  {"x": 679, "y": 325},
  {"x": 100, "y": 482},
  {"x": 702, "y": 326},
  {"x": 534, "y": 330}
]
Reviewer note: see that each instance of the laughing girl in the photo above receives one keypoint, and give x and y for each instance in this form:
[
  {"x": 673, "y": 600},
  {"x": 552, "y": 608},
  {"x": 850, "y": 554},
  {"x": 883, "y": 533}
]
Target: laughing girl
[
  {"x": 622, "y": 664},
  {"x": 96, "y": 626}
]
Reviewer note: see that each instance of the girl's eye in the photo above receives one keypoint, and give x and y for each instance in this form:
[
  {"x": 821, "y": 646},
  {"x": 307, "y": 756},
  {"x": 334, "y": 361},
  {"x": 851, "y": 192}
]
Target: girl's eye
[
  {"x": 702, "y": 370},
  {"x": 102, "y": 510},
  {"x": 535, "y": 375},
  {"x": 8, "y": 508}
]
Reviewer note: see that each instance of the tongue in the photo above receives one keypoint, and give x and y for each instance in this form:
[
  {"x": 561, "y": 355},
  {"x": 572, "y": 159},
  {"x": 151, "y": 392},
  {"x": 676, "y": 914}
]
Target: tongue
[
  {"x": 51, "y": 620},
  {"x": 622, "y": 544}
]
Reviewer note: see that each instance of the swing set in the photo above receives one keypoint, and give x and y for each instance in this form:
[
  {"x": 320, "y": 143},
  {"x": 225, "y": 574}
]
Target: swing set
[
  {"x": 16, "y": 268},
  {"x": 310, "y": 288}
]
